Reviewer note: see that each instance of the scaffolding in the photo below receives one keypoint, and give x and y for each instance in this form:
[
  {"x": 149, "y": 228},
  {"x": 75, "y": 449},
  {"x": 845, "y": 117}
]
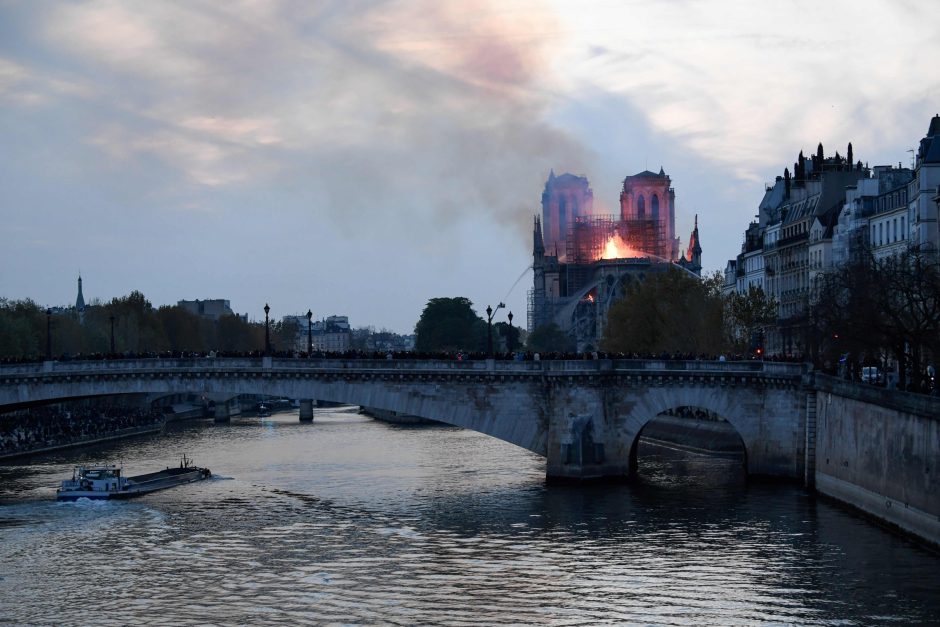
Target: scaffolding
[
  {"x": 648, "y": 236},
  {"x": 587, "y": 238}
]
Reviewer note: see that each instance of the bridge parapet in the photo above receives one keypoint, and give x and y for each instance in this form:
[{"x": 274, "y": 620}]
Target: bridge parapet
[{"x": 227, "y": 364}]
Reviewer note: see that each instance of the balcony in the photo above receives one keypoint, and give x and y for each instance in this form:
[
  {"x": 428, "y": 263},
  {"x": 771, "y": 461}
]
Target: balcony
[{"x": 793, "y": 239}]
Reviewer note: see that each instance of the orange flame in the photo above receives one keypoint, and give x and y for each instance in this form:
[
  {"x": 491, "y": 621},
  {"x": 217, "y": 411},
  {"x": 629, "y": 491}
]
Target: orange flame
[{"x": 616, "y": 248}]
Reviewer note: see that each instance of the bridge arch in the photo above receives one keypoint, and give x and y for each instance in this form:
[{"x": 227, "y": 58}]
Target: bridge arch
[
  {"x": 765, "y": 418},
  {"x": 705, "y": 433}
]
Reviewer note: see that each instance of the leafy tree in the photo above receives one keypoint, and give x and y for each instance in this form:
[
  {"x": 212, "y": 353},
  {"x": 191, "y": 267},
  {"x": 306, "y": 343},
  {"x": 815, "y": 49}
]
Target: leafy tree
[
  {"x": 284, "y": 335},
  {"x": 549, "y": 338},
  {"x": 509, "y": 333},
  {"x": 234, "y": 334},
  {"x": 449, "y": 324},
  {"x": 22, "y": 328},
  {"x": 872, "y": 309},
  {"x": 184, "y": 330},
  {"x": 668, "y": 311},
  {"x": 748, "y": 314}
]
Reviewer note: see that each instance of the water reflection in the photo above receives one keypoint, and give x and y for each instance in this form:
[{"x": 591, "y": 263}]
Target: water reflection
[{"x": 351, "y": 521}]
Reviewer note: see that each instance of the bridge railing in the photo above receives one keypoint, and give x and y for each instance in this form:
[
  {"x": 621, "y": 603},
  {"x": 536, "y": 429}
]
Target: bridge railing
[{"x": 210, "y": 364}]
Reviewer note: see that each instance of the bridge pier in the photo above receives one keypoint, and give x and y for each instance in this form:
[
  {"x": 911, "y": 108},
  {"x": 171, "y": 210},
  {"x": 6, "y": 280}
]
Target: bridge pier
[
  {"x": 584, "y": 441},
  {"x": 224, "y": 410},
  {"x": 306, "y": 409}
]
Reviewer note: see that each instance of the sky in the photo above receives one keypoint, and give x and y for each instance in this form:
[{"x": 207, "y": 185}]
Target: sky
[{"x": 362, "y": 157}]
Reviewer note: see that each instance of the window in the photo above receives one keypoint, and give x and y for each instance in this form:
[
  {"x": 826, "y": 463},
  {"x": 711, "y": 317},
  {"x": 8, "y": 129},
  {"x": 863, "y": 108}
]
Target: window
[
  {"x": 881, "y": 233},
  {"x": 903, "y": 233},
  {"x": 895, "y": 227},
  {"x": 640, "y": 206},
  {"x": 654, "y": 206}
]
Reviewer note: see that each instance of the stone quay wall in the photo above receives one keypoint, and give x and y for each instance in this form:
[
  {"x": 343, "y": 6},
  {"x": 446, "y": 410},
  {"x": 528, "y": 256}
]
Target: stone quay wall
[{"x": 879, "y": 451}]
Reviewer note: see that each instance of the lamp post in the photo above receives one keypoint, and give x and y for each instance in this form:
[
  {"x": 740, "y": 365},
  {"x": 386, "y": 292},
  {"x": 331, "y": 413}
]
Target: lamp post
[
  {"x": 267, "y": 331},
  {"x": 111, "y": 318},
  {"x": 49, "y": 334},
  {"x": 509, "y": 339},
  {"x": 309, "y": 333},
  {"x": 490, "y": 312}
]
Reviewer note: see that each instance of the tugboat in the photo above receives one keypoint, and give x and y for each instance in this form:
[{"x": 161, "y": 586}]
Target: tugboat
[{"x": 102, "y": 482}]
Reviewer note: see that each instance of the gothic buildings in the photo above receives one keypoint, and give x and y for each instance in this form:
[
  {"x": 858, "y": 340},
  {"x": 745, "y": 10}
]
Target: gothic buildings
[{"x": 583, "y": 262}]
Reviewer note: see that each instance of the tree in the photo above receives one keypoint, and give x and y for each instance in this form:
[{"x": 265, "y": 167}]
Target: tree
[
  {"x": 509, "y": 333},
  {"x": 872, "y": 309},
  {"x": 549, "y": 338},
  {"x": 234, "y": 334},
  {"x": 182, "y": 329},
  {"x": 667, "y": 312},
  {"x": 22, "y": 328},
  {"x": 450, "y": 324},
  {"x": 748, "y": 314},
  {"x": 284, "y": 335}
]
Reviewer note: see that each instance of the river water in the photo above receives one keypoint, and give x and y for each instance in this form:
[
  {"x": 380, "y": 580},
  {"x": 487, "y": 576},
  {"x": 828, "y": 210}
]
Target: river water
[{"x": 351, "y": 521}]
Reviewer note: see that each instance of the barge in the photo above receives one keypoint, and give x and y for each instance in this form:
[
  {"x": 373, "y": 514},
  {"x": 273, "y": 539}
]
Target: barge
[{"x": 104, "y": 482}]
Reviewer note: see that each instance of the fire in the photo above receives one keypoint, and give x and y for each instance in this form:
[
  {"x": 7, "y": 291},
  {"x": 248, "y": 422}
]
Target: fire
[{"x": 616, "y": 248}]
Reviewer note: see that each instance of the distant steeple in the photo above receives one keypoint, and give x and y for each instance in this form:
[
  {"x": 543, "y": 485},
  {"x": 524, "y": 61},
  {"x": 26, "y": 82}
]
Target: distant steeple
[{"x": 80, "y": 301}]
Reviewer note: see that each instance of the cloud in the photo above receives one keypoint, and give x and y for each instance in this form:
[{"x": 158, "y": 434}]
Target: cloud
[
  {"x": 426, "y": 109},
  {"x": 747, "y": 85}
]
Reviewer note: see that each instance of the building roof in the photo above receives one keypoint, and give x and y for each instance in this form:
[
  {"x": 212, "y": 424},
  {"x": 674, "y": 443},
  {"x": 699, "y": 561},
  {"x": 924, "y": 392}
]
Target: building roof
[
  {"x": 649, "y": 175},
  {"x": 930, "y": 145}
]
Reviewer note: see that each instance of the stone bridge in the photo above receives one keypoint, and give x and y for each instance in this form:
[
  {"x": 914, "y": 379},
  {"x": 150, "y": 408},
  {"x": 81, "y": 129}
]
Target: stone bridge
[{"x": 583, "y": 416}]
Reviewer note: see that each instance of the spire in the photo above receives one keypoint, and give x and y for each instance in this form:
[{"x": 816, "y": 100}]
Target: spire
[
  {"x": 848, "y": 157},
  {"x": 551, "y": 174},
  {"x": 538, "y": 244},
  {"x": 661, "y": 171},
  {"x": 80, "y": 302},
  {"x": 694, "y": 252}
]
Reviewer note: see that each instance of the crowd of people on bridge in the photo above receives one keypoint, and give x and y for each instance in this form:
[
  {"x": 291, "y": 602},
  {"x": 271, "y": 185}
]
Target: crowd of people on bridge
[
  {"x": 46, "y": 427},
  {"x": 518, "y": 355}
]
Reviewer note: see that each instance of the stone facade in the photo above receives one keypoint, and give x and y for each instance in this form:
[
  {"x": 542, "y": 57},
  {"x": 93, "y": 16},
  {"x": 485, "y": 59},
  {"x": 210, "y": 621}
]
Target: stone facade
[{"x": 832, "y": 210}]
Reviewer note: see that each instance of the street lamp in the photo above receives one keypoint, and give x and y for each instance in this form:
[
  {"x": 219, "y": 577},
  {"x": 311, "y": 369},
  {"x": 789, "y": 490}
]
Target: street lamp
[
  {"x": 509, "y": 339},
  {"x": 309, "y": 333},
  {"x": 489, "y": 326},
  {"x": 111, "y": 318},
  {"x": 267, "y": 331},
  {"x": 49, "y": 334}
]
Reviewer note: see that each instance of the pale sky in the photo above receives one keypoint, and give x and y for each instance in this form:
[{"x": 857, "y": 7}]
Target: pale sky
[{"x": 360, "y": 158}]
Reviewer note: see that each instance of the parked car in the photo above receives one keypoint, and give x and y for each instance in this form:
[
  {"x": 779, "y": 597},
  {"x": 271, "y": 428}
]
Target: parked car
[{"x": 871, "y": 374}]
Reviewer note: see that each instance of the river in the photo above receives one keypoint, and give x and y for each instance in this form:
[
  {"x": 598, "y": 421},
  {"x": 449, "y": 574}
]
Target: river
[{"x": 352, "y": 521}]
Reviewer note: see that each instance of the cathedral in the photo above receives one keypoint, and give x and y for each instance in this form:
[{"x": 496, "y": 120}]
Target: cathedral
[{"x": 583, "y": 262}]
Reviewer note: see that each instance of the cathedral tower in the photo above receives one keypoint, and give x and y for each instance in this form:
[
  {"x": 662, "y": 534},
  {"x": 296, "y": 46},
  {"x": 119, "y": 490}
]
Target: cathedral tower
[
  {"x": 566, "y": 198},
  {"x": 648, "y": 210}
]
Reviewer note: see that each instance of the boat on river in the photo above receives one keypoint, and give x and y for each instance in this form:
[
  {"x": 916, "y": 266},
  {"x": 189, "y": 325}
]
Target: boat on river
[{"x": 103, "y": 482}]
